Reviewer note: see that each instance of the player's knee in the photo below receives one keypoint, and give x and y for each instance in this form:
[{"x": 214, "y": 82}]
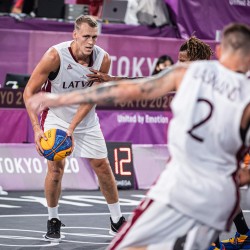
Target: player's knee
[
  {"x": 57, "y": 175},
  {"x": 55, "y": 172},
  {"x": 101, "y": 166}
]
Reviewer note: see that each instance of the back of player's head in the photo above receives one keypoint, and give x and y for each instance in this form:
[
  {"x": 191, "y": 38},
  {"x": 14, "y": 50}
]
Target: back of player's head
[
  {"x": 85, "y": 19},
  {"x": 236, "y": 37},
  {"x": 196, "y": 49}
]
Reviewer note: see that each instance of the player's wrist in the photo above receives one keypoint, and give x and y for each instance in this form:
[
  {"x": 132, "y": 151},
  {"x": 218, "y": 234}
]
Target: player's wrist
[
  {"x": 35, "y": 125},
  {"x": 70, "y": 131}
]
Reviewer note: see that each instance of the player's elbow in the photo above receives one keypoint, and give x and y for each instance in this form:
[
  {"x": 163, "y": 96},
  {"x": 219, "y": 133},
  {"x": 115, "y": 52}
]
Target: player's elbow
[{"x": 25, "y": 95}]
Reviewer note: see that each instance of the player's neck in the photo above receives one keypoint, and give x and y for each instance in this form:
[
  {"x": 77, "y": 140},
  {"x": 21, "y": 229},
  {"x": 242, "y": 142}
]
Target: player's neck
[
  {"x": 79, "y": 56},
  {"x": 233, "y": 63},
  {"x": 82, "y": 59}
]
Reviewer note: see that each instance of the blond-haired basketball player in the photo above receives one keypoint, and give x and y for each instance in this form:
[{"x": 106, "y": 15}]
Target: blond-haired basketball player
[{"x": 63, "y": 69}]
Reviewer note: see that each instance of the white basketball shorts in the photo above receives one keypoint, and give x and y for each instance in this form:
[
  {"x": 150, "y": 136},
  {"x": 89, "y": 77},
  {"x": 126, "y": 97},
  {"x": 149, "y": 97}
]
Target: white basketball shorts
[
  {"x": 160, "y": 227},
  {"x": 89, "y": 143}
]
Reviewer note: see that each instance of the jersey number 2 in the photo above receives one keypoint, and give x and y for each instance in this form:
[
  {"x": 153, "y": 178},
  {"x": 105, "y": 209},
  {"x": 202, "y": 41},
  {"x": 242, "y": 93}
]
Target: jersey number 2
[{"x": 191, "y": 131}]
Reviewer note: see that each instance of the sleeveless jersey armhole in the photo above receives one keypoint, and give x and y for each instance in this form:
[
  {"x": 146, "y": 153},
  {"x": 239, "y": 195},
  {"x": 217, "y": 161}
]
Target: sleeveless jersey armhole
[{"x": 52, "y": 76}]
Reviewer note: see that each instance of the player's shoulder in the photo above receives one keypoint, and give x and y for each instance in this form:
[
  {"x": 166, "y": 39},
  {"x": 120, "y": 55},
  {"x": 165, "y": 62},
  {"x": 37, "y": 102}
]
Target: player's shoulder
[
  {"x": 98, "y": 49},
  {"x": 55, "y": 50},
  {"x": 52, "y": 56},
  {"x": 62, "y": 45}
]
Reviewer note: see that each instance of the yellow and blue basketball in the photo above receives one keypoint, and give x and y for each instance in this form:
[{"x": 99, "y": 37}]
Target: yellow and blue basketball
[{"x": 58, "y": 145}]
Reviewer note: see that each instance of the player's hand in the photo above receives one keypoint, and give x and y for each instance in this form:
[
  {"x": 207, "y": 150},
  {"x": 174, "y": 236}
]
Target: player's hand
[
  {"x": 70, "y": 134},
  {"x": 38, "y": 135},
  {"x": 41, "y": 101},
  {"x": 243, "y": 175},
  {"x": 98, "y": 76}
]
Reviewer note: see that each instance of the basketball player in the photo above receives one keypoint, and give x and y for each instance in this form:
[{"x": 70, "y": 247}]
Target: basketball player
[
  {"x": 63, "y": 68},
  {"x": 195, "y": 49},
  {"x": 177, "y": 212}
]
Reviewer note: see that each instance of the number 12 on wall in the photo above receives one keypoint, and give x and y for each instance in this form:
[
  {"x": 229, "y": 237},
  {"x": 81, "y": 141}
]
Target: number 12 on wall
[
  {"x": 119, "y": 163},
  {"x": 121, "y": 160}
]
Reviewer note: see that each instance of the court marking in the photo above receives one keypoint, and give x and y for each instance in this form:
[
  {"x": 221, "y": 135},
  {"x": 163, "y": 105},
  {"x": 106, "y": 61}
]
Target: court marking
[
  {"x": 84, "y": 236},
  {"x": 74, "y": 200},
  {"x": 17, "y": 233},
  {"x": 41, "y": 239},
  {"x": 42, "y": 215}
]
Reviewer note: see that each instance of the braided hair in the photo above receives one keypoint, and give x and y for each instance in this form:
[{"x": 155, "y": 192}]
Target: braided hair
[{"x": 196, "y": 49}]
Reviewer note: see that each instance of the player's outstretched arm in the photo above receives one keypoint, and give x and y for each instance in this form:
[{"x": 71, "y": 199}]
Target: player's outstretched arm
[
  {"x": 98, "y": 76},
  {"x": 114, "y": 92}
]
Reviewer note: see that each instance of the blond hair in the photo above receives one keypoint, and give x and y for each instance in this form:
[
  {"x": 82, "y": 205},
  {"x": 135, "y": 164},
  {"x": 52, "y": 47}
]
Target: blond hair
[{"x": 85, "y": 19}]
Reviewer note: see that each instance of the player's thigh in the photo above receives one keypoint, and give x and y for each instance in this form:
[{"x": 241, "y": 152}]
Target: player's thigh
[
  {"x": 52, "y": 121},
  {"x": 90, "y": 144},
  {"x": 156, "y": 224}
]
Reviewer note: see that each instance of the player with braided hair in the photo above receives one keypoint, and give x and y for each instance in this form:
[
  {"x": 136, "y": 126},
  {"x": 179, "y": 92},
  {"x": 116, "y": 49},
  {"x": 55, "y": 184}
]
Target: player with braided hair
[{"x": 194, "y": 49}]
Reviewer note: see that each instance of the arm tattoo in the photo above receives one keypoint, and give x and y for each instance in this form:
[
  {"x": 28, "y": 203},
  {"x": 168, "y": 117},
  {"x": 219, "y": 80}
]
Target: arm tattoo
[
  {"x": 100, "y": 93},
  {"x": 116, "y": 91},
  {"x": 148, "y": 87}
]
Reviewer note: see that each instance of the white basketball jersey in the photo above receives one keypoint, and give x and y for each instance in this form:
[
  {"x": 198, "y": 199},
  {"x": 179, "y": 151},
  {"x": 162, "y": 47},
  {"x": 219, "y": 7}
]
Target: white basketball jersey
[
  {"x": 71, "y": 77},
  {"x": 204, "y": 138}
]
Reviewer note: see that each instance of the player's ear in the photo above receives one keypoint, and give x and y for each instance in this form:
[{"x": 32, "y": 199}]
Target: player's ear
[{"x": 218, "y": 51}]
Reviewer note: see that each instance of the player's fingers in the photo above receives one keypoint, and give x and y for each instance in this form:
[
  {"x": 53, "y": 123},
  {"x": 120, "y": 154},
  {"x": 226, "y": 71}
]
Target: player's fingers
[
  {"x": 96, "y": 74},
  {"x": 93, "y": 78},
  {"x": 73, "y": 143},
  {"x": 93, "y": 74},
  {"x": 39, "y": 149},
  {"x": 44, "y": 136},
  {"x": 39, "y": 152},
  {"x": 40, "y": 136},
  {"x": 94, "y": 70}
]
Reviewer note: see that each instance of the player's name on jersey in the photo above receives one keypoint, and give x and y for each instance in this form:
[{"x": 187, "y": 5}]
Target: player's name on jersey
[
  {"x": 11, "y": 98},
  {"x": 159, "y": 104}
]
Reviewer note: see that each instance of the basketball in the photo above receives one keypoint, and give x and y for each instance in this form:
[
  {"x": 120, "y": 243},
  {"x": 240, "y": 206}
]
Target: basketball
[{"x": 58, "y": 145}]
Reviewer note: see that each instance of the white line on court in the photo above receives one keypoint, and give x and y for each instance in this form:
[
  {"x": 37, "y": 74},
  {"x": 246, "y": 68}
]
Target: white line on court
[{"x": 46, "y": 215}]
